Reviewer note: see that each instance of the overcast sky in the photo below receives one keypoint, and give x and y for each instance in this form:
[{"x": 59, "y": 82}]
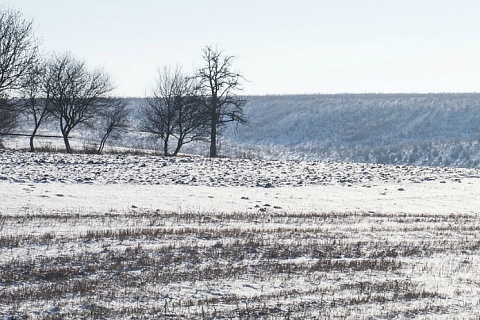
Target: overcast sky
[{"x": 281, "y": 47}]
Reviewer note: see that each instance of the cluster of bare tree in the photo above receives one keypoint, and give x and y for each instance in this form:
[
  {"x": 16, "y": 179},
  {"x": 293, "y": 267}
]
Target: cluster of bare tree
[
  {"x": 172, "y": 110},
  {"x": 62, "y": 88},
  {"x": 191, "y": 108},
  {"x": 59, "y": 87}
]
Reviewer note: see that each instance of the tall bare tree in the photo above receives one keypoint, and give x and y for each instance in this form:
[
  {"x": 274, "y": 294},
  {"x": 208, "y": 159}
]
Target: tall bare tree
[
  {"x": 35, "y": 97},
  {"x": 173, "y": 110},
  {"x": 18, "y": 52},
  {"x": 113, "y": 120},
  {"x": 18, "y": 48},
  {"x": 192, "y": 122},
  {"x": 76, "y": 94},
  {"x": 218, "y": 84}
]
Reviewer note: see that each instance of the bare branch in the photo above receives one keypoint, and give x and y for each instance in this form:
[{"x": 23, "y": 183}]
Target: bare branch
[
  {"x": 113, "y": 120},
  {"x": 218, "y": 84},
  {"x": 18, "y": 52},
  {"x": 34, "y": 98},
  {"x": 173, "y": 110},
  {"x": 76, "y": 95},
  {"x": 18, "y": 49}
]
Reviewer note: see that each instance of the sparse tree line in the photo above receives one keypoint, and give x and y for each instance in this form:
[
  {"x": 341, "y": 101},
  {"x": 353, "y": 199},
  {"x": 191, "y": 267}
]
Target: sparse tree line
[{"x": 59, "y": 87}]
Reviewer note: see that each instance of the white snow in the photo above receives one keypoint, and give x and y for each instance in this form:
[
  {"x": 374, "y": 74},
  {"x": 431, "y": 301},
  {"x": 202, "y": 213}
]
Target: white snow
[
  {"x": 103, "y": 183},
  {"x": 426, "y": 197},
  {"x": 197, "y": 237}
]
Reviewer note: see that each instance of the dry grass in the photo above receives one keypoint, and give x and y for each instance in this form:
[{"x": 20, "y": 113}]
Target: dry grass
[{"x": 143, "y": 264}]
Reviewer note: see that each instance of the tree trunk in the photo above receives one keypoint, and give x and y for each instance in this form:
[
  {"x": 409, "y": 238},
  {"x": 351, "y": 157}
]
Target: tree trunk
[
  {"x": 67, "y": 143},
  {"x": 165, "y": 147},
  {"x": 179, "y": 146},
  {"x": 213, "y": 140},
  {"x": 102, "y": 144},
  {"x": 32, "y": 147}
]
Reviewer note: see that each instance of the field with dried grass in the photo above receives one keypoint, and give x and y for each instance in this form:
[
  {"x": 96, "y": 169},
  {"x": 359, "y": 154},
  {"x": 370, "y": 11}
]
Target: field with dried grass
[{"x": 263, "y": 256}]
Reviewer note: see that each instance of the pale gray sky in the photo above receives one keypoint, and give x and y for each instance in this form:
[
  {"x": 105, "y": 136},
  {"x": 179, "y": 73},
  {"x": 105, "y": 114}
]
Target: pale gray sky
[{"x": 282, "y": 47}]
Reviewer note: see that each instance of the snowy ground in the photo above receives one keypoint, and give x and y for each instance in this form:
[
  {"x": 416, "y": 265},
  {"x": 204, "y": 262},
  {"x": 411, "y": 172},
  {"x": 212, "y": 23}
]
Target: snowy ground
[{"x": 112, "y": 235}]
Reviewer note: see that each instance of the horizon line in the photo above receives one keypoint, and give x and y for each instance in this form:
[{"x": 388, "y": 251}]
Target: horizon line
[{"x": 335, "y": 94}]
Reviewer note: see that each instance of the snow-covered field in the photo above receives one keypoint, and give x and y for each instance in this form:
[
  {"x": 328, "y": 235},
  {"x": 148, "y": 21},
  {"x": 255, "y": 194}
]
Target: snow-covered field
[{"x": 118, "y": 236}]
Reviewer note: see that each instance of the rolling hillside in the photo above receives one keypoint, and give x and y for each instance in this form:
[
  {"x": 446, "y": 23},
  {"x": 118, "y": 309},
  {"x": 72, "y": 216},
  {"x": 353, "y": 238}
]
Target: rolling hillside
[
  {"x": 416, "y": 129},
  {"x": 420, "y": 129}
]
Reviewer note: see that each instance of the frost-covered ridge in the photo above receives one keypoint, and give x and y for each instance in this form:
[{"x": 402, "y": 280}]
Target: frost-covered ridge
[
  {"x": 200, "y": 171},
  {"x": 416, "y": 129}
]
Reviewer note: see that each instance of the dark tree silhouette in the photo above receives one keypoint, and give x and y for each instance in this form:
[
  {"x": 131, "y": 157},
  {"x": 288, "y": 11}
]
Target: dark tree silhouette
[
  {"x": 76, "y": 95},
  {"x": 18, "y": 52},
  {"x": 35, "y": 98},
  {"x": 173, "y": 110},
  {"x": 18, "y": 49},
  {"x": 217, "y": 84},
  {"x": 113, "y": 120},
  {"x": 192, "y": 123}
]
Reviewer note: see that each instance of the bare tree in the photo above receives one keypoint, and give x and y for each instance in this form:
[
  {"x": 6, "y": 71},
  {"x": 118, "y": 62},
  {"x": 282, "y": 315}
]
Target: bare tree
[
  {"x": 35, "y": 97},
  {"x": 76, "y": 95},
  {"x": 172, "y": 110},
  {"x": 18, "y": 48},
  {"x": 159, "y": 110},
  {"x": 217, "y": 85},
  {"x": 18, "y": 51},
  {"x": 192, "y": 123},
  {"x": 113, "y": 120}
]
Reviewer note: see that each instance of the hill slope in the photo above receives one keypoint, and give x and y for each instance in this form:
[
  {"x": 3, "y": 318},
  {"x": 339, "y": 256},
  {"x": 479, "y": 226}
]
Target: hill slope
[
  {"x": 421, "y": 129},
  {"x": 416, "y": 129}
]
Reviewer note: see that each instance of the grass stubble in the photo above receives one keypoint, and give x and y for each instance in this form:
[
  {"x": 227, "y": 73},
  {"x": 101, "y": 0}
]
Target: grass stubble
[{"x": 147, "y": 264}]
